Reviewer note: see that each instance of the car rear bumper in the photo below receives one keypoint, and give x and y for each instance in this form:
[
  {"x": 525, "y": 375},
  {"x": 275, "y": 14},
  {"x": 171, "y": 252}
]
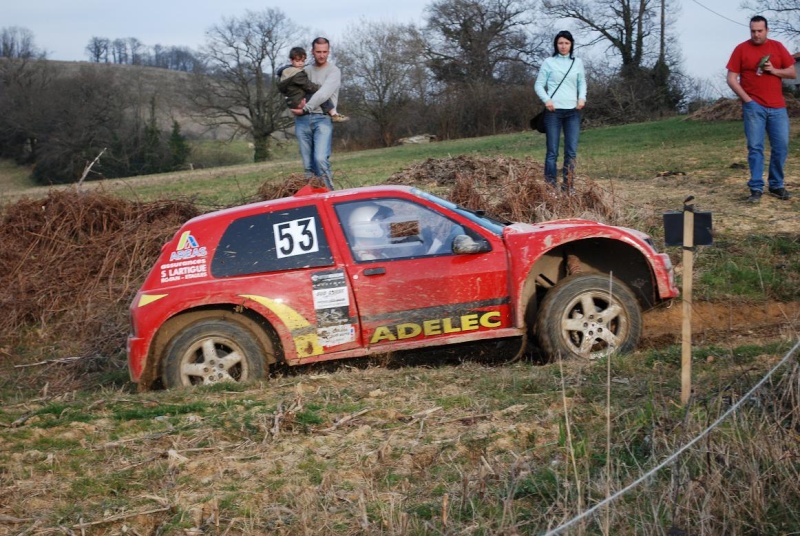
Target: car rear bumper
[{"x": 137, "y": 354}]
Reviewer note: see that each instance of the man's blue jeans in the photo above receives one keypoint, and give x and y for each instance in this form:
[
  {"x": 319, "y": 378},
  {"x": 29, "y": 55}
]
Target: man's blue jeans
[
  {"x": 759, "y": 120},
  {"x": 554, "y": 122},
  {"x": 315, "y": 137}
]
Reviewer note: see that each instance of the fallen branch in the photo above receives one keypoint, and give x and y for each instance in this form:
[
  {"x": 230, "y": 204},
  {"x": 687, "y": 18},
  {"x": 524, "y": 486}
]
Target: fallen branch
[
  {"x": 147, "y": 437},
  {"x": 142, "y": 462},
  {"x": 89, "y": 167},
  {"x": 120, "y": 517},
  {"x": 23, "y": 419},
  {"x": 469, "y": 419},
  {"x": 14, "y": 520},
  {"x": 276, "y": 422},
  {"x": 346, "y": 419},
  {"x": 62, "y": 360},
  {"x": 423, "y": 414}
]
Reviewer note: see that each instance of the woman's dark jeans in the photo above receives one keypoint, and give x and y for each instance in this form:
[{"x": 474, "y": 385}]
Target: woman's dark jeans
[{"x": 554, "y": 122}]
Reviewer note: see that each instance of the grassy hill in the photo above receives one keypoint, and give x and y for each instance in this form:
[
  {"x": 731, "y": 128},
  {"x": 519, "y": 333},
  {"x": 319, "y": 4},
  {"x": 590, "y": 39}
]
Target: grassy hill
[{"x": 167, "y": 87}]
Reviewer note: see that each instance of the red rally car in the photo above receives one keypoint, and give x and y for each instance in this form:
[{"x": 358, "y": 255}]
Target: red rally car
[{"x": 336, "y": 274}]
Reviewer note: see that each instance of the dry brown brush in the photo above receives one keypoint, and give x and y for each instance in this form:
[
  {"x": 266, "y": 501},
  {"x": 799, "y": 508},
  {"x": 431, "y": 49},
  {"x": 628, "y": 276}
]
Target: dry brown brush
[
  {"x": 744, "y": 477},
  {"x": 731, "y": 110},
  {"x": 290, "y": 186},
  {"x": 510, "y": 188},
  {"x": 70, "y": 265}
]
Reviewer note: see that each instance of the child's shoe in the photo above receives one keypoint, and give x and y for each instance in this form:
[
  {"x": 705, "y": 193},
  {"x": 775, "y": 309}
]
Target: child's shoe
[{"x": 339, "y": 118}]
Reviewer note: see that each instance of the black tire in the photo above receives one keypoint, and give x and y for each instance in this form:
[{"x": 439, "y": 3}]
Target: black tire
[
  {"x": 212, "y": 351},
  {"x": 612, "y": 324}
]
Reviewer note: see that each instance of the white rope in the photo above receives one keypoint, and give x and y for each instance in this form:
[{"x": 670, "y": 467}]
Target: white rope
[{"x": 680, "y": 451}]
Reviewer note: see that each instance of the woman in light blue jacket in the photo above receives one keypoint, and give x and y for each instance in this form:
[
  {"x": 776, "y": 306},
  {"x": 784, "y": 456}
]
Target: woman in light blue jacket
[{"x": 561, "y": 85}]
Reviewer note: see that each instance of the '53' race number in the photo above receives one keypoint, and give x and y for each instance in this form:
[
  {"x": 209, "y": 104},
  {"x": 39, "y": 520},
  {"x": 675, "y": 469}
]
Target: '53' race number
[{"x": 296, "y": 237}]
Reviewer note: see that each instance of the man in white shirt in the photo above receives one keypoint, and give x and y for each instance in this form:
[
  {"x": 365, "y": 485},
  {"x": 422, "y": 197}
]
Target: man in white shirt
[{"x": 312, "y": 126}]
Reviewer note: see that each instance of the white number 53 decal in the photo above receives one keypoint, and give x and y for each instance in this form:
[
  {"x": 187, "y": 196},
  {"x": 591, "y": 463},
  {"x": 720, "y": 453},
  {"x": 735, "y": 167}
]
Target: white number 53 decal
[{"x": 296, "y": 237}]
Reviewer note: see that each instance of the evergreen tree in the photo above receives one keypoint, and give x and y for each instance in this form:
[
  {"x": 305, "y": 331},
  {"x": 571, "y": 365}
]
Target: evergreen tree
[{"x": 179, "y": 150}]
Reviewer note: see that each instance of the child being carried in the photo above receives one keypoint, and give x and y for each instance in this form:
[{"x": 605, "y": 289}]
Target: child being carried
[{"x": 295, "y": 85}]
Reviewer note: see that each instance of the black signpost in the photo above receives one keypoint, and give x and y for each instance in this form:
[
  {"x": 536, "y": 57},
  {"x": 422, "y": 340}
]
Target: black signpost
[{"x": 689, "y": 229}]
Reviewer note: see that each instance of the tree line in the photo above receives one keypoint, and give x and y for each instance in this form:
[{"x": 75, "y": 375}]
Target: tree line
[
  {"x": 131, "y": 51},
  {"x": 57, "y": 121},
  {"x": 467, "y": 70}
]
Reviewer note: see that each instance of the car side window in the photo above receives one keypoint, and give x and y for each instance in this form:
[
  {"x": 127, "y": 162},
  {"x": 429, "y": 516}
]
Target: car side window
[
  {"x": 395, "y": 229},
  {"x": 272, "y": 241}
]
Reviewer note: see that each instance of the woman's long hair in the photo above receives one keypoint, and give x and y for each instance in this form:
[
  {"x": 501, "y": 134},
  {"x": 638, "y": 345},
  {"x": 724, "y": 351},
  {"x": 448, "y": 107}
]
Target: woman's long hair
[{"x": 568, "y": 36}]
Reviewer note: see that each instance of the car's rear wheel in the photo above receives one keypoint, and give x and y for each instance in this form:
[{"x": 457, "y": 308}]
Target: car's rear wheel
[
  {"x": 580, "y": 318},
  {"x": 212, "y": 351}
]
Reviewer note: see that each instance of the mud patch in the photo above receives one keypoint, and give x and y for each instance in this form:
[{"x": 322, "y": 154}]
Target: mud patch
[{"x": 718, "y": 322}]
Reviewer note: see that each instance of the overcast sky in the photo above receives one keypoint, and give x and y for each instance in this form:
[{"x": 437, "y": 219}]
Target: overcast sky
[{"x": 707, "y": 29}]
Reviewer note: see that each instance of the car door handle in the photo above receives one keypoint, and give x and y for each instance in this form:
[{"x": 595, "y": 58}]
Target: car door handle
[{"x": 375, "y": 271}]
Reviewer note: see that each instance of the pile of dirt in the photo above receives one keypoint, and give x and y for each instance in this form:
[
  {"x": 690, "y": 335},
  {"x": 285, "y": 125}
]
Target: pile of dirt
[
  {"x": 290, "y": 186},
  {"x": 69, "y": 267},
  {"x": 731, "y": 110},
  {"x": 435, "y": 173},
  {"x": 510, "y": 189}
]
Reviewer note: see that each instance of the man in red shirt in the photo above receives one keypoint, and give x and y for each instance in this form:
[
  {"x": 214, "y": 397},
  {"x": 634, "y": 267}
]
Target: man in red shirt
[{"x": 755, "y": 73}]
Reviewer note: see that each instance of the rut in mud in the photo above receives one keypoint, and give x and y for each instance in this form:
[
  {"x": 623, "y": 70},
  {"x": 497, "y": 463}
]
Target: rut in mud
[{"x": 721, "y": 322}]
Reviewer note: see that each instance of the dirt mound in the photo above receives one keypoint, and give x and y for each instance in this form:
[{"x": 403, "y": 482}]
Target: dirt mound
[
  {"x": 509, "y": 189},
  {"x": 731, "y": 110},
  {"x": 438, "y": 172},
  {"x": 70, "y": 265},
  {"x": 289, "y": 187}
]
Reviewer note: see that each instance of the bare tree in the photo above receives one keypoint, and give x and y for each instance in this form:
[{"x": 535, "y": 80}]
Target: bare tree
[
  {"x": 136, "y": 49},
  {"x": 131, "y": 51},
  {"x": 98, "y": 49},
  {"x": 174, "y": 58},
  {"x": 477, "y": 40},
  {"x": 184, "y": 59},
  {"x": 379, "y": 70},
  {"x": 18, "y": 43},
  {"x": 626, "y": 26},
  {"x": 637, "y": 32},
  {"x": 242, "y": 55},
  {"x": 119, "y": 51},
  {"x": 23, "y": 84},
  {"x": 478, "y": 50},
  {"x": 783, "y": 15}
]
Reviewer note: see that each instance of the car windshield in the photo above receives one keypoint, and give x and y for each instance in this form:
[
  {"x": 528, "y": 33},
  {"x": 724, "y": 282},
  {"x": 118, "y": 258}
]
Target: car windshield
[{"x": 477, "y": 216}]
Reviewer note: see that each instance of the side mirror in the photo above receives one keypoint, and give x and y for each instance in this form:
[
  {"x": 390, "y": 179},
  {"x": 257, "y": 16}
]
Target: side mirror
[{"x": 465, "y": 245}]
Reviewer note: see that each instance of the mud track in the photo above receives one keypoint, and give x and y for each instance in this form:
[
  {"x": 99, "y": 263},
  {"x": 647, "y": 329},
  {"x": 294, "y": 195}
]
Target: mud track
[{"x": 731, "y": 322}]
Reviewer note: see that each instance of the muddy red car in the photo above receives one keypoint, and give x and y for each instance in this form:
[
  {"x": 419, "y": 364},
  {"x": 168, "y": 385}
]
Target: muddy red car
[{"x": 337, "y": 274}]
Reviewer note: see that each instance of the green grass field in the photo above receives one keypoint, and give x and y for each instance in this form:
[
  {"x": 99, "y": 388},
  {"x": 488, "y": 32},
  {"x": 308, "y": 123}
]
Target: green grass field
[{"x": 628, "y": 152}]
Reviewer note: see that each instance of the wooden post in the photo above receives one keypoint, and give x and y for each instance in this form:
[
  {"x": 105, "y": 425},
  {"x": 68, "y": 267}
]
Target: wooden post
[{"x": 688, "y": 268}]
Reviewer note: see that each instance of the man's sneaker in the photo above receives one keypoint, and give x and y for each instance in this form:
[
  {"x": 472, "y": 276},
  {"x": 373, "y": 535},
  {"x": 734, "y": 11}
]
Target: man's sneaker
[
  {"x": 339, "y": 118},
  {"x": 780, "y": 193},
  {"x": 755, "y": 197}
]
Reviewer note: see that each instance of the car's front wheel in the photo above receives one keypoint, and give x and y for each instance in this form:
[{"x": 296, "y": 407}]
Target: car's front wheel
[
  {"x": 212, "y": 351},
  {"x": 582, "y": 317}
]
